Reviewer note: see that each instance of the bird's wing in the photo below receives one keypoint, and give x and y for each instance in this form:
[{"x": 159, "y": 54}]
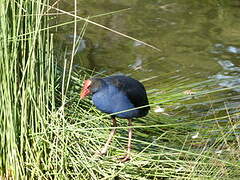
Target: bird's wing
[{"x": 133, "y": 89}]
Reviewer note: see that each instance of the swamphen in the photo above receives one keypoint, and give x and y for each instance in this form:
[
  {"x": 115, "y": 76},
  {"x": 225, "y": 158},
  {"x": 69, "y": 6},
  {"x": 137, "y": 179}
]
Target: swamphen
[{"x": 121, "y": 95}]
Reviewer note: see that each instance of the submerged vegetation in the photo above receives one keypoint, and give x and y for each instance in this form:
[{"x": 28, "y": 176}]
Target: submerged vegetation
[{"x": 46, "y": 132}]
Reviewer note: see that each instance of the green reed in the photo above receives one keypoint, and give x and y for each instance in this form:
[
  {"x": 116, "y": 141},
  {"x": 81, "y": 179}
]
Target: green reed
[{"x": 27, "y": 83}]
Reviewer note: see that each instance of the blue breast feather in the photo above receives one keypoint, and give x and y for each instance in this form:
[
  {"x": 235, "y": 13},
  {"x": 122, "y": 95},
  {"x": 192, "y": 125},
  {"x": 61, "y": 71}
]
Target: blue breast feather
[
  {"x": 120, "y": 93},
  {"x": 111, "y": 100}
]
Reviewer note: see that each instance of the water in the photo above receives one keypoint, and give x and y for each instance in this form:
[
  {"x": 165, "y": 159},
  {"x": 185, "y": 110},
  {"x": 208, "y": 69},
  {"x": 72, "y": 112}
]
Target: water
[{"x": 198, "y": 42}]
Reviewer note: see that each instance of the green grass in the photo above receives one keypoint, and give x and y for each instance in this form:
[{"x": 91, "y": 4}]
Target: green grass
[{"x": 46, "y": 132}]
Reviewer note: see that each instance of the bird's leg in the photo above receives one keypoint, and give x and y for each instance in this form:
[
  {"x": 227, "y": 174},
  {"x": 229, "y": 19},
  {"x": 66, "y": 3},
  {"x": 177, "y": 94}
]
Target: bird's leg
[
  {"x": 127, "y": 156},
  {"x": 106, "y": 146}
]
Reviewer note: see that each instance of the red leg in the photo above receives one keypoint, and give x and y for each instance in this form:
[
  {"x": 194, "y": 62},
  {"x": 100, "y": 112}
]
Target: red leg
[
  {"x": 106, "y": 146},
  {"x": 127, "y": 157}
]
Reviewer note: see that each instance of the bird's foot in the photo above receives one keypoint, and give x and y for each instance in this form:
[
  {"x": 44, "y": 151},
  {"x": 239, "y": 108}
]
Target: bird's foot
[
  {"x": 100, "y": 153},
  {"x": 124, "y": 158}
]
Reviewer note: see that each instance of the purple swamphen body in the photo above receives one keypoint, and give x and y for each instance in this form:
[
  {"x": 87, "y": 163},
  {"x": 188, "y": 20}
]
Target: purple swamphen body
[{"x": 121, "y": 95}]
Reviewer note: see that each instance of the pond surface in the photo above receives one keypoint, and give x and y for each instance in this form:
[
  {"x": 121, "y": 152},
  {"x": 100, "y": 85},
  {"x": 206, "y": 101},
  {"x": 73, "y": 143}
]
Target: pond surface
[{"x": 199, "y": 41}]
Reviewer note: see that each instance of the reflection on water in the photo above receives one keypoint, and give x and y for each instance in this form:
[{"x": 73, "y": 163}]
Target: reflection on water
[
  {"x": 229, "y": 75},
  {"x": 228, "y": 65},
  {"x": 229, "y": 81},
  {"x": 199, "y": 41},
  {"x": 233, "y": 49}
]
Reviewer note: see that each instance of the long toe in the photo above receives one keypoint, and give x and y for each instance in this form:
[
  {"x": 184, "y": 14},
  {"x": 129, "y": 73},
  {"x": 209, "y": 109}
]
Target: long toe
[
  {"x": 100, "y": 153},
  {"x": 124, "y": 158}
]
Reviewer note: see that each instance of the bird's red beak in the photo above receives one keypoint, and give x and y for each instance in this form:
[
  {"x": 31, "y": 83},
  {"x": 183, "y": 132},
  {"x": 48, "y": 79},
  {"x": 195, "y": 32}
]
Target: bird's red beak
[{"x": 85, "y": 90}]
